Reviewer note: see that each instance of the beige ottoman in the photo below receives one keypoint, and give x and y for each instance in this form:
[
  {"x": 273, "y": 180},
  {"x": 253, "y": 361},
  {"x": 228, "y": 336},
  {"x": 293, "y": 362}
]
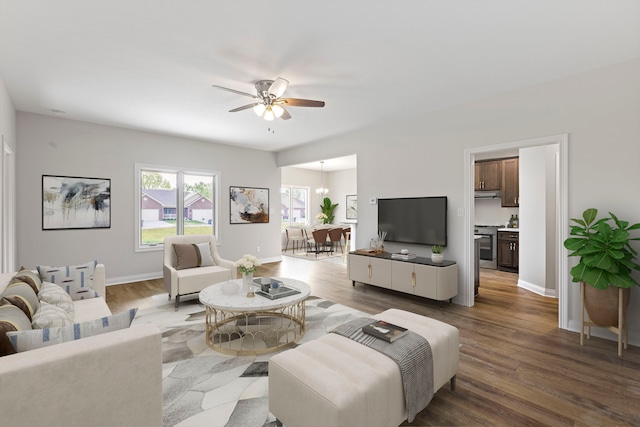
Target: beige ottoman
[{"x": 335, "y": 381}]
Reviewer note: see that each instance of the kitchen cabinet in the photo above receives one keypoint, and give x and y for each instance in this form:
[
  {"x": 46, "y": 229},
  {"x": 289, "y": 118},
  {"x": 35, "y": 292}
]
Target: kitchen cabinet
[
  {"x": 510, "y": 183},
  {"x": 488, "y": 175},
  {"x": 418, "y": 276},
  {"x": 508, "y": 251}
]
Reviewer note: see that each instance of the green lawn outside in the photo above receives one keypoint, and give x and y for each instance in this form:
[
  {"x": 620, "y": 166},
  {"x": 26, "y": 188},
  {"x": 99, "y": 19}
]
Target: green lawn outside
[{"x": 152, "y": 236}]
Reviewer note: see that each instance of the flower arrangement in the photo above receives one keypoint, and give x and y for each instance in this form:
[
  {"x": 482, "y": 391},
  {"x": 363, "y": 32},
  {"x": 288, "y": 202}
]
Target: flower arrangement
[
  {"x": 323, "y": 217},
  {"x": 248, "y": 263}
]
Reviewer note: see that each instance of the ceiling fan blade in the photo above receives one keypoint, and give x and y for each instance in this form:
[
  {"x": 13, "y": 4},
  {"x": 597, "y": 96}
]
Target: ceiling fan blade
[
  {"x": 235, "y": 91},
  {"x": 285, "y": 115},
  {"x": 295, "y": 102},
  {"x": 278, "y": 87},
  {"x": 245, "y": 107}
]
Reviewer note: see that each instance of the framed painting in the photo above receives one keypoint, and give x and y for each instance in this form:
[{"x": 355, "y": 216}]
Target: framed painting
[
  {"x": 249, "y": 205},
  {"x": 71, "y": 202},
  {"x": 352, "y": 207}
]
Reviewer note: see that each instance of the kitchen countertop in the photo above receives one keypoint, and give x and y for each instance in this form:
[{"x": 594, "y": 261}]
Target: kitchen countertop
[{"x": 517, "y": 230}]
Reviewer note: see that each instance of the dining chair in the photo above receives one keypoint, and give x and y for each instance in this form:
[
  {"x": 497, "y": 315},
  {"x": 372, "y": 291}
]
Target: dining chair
[
  {"x": 335, "y": 238},
  {"x": 346, "y": 233},
  {"x": 318, "y": 241},
  {"x": 296, "y": 236}
]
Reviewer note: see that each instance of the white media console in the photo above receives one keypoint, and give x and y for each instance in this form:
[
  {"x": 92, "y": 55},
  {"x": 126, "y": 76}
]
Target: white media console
[{"x": 418, "y": 276}]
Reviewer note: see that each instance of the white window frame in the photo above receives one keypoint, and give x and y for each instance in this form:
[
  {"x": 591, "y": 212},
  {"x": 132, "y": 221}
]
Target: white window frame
[
  {"x": 180, "y": 172},
  {"x": 308, "y": 202}
]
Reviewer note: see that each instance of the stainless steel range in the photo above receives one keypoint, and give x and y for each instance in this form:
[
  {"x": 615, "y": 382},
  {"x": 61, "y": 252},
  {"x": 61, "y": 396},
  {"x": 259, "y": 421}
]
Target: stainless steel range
[{"x": 488, "y": 245}]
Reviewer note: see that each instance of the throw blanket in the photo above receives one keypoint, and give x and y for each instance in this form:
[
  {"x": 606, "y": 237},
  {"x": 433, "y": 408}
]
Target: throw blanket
[{"x": 413, "y": 355}]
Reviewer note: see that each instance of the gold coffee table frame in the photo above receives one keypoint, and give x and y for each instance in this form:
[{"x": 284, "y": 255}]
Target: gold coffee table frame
[{"x": 243, "y": 326}]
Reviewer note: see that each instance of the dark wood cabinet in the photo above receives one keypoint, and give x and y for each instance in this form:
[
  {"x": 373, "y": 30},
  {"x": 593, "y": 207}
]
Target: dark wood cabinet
[
  {"x": 488, "y": 175},
  {"x": 510, "y": 183},
  {"x": 508, "y": 251}
]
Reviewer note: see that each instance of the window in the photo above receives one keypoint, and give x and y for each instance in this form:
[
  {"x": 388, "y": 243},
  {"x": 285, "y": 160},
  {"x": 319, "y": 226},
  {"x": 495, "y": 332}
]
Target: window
[
  {"x": 171, "y": 201},
  {"x": 294, "y": 206}
]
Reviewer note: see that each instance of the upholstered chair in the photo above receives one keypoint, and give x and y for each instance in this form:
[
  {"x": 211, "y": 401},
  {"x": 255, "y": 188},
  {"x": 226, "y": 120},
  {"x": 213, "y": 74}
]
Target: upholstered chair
[{"x": 192, "y": 262}]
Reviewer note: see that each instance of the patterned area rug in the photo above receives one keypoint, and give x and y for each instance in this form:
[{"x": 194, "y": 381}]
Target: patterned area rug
[
  {"x": 202, "y": 387},
  {"x": 312, "y": 257}
]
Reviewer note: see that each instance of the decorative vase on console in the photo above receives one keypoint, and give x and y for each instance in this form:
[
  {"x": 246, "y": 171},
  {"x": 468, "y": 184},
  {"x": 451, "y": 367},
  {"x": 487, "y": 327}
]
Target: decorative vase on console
[{"x": 247, "y": 265}]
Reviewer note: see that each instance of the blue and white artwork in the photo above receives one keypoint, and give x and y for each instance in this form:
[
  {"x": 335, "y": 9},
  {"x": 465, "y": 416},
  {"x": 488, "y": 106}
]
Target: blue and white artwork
[{"x": 72, "y": 202}]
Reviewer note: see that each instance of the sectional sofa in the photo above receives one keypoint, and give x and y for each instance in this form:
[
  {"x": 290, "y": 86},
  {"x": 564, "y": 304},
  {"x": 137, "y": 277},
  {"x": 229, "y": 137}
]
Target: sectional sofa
[{"x": 112, "y": 379}]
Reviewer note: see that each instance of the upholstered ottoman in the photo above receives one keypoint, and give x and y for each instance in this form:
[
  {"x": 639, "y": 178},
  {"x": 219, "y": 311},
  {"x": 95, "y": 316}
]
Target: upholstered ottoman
[{"x": 335, "y": 381}]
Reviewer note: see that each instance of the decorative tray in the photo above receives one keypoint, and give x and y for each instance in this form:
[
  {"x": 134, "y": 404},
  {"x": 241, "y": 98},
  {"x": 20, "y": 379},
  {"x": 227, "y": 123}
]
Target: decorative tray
[{"x": 280, "y": 292}]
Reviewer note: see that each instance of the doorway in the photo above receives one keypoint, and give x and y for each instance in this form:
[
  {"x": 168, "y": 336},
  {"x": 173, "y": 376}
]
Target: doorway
[{"x": 561, "y": 216}]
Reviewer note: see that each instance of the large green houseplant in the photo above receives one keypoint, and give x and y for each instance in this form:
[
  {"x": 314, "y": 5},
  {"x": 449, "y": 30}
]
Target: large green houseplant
[
  {"x": 606, "y": 260},
  {"x": 327, "y": 208}
]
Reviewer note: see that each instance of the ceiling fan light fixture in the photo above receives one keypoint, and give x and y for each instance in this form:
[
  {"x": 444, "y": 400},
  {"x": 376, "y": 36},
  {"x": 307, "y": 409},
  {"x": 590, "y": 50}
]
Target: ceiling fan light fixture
[
  {"x": 268, "y": 114},
  {"x": 259, "y": 109},
  {"x": 278, "y": 111}
]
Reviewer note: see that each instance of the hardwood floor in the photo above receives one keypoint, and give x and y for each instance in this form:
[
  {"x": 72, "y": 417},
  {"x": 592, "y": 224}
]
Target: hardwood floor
[{"x": 516, "y": 367}]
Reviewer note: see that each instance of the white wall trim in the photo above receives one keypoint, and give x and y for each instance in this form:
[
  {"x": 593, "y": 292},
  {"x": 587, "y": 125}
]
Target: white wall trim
[
  {"x": 540, "y": 290},
  {"x": 562, "y": 217},
  {"x": 134, "y": 278}
]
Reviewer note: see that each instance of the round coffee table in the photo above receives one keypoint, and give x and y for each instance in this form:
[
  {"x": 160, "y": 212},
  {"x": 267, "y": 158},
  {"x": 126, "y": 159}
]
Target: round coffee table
[{"x": 241, "y": 325}]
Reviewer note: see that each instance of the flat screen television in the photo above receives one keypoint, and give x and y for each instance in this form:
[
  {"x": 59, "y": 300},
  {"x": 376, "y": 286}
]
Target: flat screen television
[{"x": 418, "y": 220}]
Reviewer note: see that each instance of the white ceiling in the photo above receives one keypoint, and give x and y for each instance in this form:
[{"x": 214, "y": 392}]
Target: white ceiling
[{"x": 150, "y": 64}]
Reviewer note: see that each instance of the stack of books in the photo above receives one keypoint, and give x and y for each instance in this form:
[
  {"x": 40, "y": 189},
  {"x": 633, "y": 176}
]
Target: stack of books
[
  {"x": 404, "y": 257},
  {"x": 385, "y": 330}
]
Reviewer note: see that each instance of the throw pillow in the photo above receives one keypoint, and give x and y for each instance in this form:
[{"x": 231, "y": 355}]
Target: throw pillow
[
  {"x": 50, "y": 316},
  {"x": 11, "y": 319},
  {"x": 54, "y": 294},
  {"x": 77, "y": 280},
  {"x": 37, "y": 338},
  {"x": 28, "y": 277},
  {"x": 22, "y": 296},
  {"x": 190, "y": 255}
]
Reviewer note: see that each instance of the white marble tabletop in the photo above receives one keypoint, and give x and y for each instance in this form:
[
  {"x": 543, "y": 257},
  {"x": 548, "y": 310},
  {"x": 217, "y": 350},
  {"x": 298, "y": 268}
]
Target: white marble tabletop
[{"x": 213, "y": 296}]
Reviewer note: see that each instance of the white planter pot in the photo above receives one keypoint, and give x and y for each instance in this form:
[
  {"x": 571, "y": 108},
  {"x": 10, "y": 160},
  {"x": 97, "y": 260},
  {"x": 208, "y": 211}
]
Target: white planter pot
[{"x": 437, "y": 258}]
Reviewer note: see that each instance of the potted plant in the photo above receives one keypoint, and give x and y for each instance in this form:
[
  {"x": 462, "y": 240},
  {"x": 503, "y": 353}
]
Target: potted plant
[
  {"x": 327, "y": 208},
  {"x": 436, "y": 254},
  {"x": 606, "y": 262}
]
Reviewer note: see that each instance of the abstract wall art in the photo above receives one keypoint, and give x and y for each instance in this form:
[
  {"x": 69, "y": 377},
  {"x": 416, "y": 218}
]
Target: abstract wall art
[
  {"x": 249, "y": 205},
  {"x": 352, "y": 207},
  {"x": 70, "y": 202}
]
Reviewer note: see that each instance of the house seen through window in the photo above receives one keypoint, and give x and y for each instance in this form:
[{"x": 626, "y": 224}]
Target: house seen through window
[
  {"x": 294, "y": 206},
  {"x": 174, "y": 202}
]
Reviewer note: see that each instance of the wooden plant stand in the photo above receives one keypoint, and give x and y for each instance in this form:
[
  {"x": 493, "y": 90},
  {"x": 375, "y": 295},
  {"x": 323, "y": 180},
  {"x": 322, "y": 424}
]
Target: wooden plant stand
[{"x": 622, "y": 330}]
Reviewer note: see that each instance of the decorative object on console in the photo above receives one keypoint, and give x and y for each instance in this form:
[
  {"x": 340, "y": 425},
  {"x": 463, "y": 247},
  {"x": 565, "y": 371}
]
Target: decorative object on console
[
  {"x": 76, "y": 280},
  {"x": 352, "y": 207},
  {"x": 436, "y": 254},
  {"x": 70, "y": 202},
  {"x": 606, "y": 263},
  {"x": 249, "y": 205}
]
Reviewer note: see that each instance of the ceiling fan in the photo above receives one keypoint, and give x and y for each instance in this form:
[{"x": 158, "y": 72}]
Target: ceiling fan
[{"x": 270, "y": 104}]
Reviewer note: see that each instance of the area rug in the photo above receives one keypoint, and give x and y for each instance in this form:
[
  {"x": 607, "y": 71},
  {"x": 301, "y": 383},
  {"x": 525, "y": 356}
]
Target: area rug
[
  {"x": 312, "y": 257},
  {"x": 202, "y": 387}
]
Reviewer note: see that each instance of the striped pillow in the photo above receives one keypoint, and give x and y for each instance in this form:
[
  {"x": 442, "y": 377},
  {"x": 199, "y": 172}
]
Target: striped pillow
[
  {"x": 37, "y": 338},
  {"x": 191, "y": 255},
  {"x": 11, "y": 319},
  {"x": 28, "y": 277},
  {"x": 22, "y": 296},
  {"x": 77, "y": 280}
]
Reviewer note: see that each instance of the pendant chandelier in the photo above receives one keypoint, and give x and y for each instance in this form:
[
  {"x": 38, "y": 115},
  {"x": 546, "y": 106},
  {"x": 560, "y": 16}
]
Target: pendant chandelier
[{"x": 322, "y": 191}]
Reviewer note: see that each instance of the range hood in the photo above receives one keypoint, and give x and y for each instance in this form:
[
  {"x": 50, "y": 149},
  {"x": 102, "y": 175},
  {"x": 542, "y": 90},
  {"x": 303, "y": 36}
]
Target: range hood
[{"x": 487, "y": 195}]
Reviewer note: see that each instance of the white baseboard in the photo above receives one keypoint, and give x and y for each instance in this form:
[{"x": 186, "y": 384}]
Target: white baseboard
[
  {"x": 134, "y": 278},
  {"x": 551, "y": 293}
]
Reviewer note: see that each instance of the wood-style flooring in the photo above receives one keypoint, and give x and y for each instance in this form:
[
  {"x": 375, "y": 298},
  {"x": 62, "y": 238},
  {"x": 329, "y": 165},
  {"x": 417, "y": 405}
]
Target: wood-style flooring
[{"x": 516, "y": 367}]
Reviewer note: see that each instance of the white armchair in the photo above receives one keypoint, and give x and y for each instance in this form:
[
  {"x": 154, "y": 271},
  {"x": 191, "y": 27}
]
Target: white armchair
[{"x": 193, "y": 280}]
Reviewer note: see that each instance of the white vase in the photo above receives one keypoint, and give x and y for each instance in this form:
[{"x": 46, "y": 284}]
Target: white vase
[
  {"x": 437, "y": 258},
  {"x": 247, "y": 281}
]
